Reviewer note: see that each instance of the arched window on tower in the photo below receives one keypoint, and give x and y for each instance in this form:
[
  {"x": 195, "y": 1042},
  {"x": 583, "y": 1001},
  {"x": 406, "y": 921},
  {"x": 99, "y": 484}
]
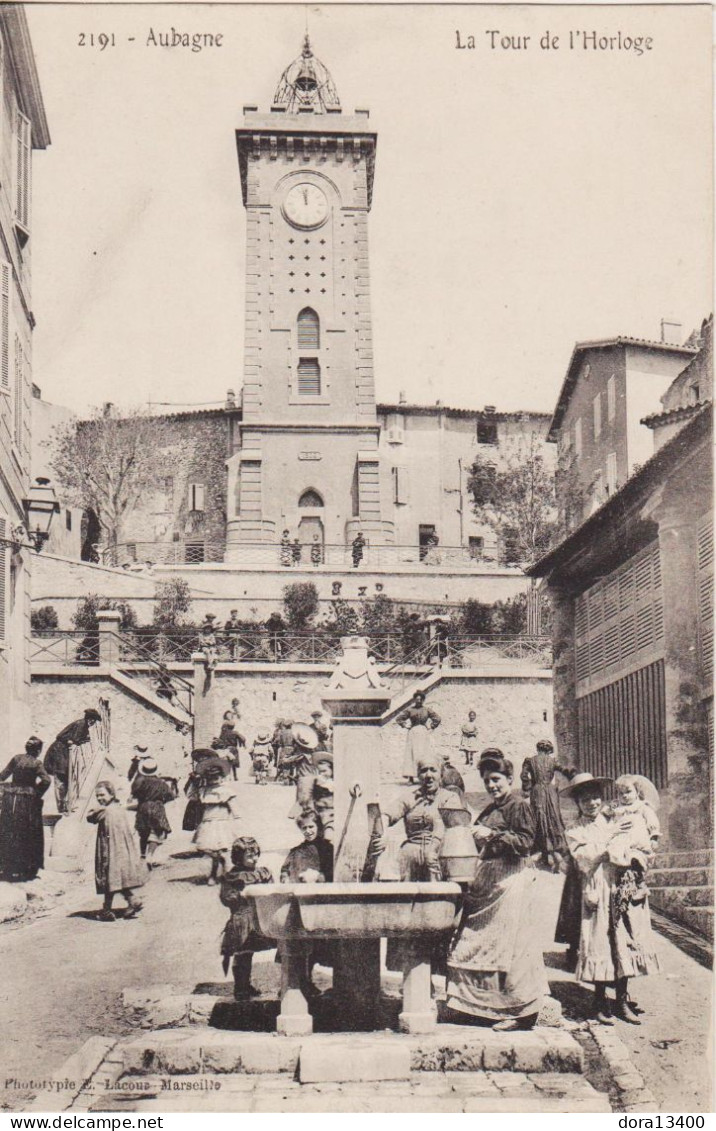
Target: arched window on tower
[
  {"x": 310, "y": 498},
  {"x": 309, "y": 377},
  {"x": 309, "y": 330}
]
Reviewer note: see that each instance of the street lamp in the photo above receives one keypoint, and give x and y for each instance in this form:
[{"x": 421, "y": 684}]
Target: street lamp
[{"x": 40, "y": 507}]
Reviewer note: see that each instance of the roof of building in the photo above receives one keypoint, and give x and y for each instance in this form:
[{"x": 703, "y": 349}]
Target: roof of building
[
  {"x": 670, "y": 416},
  {"x": 20, "y": 47},
  {"x": 663, "y": 461},
  {"x": 404, "y": 409},
  {"x": 580, "y": 348}
]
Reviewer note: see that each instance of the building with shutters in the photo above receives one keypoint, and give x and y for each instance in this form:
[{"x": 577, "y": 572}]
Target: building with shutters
[
  {"x": 632, "y": 596},
  {"x": 305, "y": 448},
  {"x": 23, "y": 129}
]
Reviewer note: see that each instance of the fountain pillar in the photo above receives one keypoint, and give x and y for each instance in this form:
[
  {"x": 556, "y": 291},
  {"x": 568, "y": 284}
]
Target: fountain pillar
[
  {"x": 294, "y": 1020},
  {"x": 355, "y": 700},
  {"x": 419, "y": 1014}
]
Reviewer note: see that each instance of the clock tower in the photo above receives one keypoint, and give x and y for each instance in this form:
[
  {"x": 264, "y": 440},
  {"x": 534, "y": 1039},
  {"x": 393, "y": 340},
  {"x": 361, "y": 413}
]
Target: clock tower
[{"x": 305, "y": 453}]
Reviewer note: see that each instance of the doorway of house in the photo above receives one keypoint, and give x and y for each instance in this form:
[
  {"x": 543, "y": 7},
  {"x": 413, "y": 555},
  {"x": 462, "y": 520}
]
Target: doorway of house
[
  {"x": 308, "y": 528},
  {"x": 427, "y": 538}
]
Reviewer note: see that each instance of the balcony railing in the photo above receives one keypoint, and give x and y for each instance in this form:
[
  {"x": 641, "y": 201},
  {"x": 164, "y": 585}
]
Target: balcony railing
[
  {"x": 141, "y": 556},
  {"x": 63, "y": 649}
]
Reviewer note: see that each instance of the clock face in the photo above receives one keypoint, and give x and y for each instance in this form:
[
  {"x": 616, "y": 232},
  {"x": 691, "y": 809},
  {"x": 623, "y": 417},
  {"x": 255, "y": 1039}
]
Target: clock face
[{"x": 305, "y": 206}]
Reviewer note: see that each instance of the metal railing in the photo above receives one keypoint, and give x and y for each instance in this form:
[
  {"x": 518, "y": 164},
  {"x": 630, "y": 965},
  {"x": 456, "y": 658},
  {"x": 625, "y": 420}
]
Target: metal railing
[
  {"x": 129, "y": 648},
  {"x": 141, "y": 556}
]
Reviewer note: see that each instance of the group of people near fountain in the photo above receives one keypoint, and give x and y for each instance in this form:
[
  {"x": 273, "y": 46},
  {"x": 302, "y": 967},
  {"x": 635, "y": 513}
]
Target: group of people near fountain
[{"x": 493, "y": 961}]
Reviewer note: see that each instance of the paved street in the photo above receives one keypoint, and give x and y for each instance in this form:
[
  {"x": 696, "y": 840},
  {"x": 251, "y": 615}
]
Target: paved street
[{"x": 64, "y": 974}]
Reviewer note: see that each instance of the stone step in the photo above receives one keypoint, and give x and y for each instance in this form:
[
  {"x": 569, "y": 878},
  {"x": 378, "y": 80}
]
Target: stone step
[
  {"x": 450, "y": 1092},
  {"x": 680, "y": 877},
  {"x": 666, "y": 897},
  {"x": 700, "y": 919},
  {"x": 450, "y": 1048},
  {"x": 693, "y": 858}
]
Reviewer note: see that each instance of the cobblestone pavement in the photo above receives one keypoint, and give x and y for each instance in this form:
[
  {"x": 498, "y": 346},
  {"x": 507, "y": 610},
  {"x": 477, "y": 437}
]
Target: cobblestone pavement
[{"x": 63, "y": 975}]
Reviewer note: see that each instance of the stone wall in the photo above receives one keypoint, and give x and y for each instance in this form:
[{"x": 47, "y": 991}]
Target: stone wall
[
  {"x": 257, "y": 592},
  {"x": 57, "y": 700}
]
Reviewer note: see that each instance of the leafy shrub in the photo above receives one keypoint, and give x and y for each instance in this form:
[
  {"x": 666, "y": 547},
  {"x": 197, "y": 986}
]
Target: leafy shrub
[
  {"x": 43, "y": 619},
  {"x": 85, "y": 617},
  {"x": 300, "y": 602}
]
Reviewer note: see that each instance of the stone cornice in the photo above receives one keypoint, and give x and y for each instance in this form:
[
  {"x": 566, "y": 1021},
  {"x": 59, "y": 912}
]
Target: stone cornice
[
  {"x": 308, "y": 429},
  {"x": 294, "y": 139},
  {"x": 17, "y": 39}
]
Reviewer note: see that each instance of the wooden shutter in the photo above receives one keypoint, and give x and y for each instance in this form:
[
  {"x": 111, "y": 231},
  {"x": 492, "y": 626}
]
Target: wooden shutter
[
  {"x": 22, "y": 199},
  {"x": 196, "y": 497},
  {"x": 619, "y": 622},
  {"x": 19, "y": 394},
  {"x": 705, "y": 580},
  {"x": 3, "y": 585},
  {"x": 5, "y": 324},
  {"x": 309, "y": 332},
  {"x": 309, "y": 377}
]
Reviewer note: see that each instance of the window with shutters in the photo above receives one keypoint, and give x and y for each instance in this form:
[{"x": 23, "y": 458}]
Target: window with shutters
[
  {"x": 611, "y": 398},
  {"x": 309, "y": 377},
  {"x": 400, "y": 485},
  {"x": 578, "y": 439},
  {"x": 619, "y": 622},
  {"x": 597, "y": 416},
  {"x": 3, "y": 582},
  {"x": 22, "y": 176},
  {"x": 18, "y": 395},
  {"x": 486, "y": 432},
  {"x": 309, "y": 330},
  {"x": 5, "y": 326},
  {"x": 196, "y": 496},
  {"x": 705, "y": 582}
]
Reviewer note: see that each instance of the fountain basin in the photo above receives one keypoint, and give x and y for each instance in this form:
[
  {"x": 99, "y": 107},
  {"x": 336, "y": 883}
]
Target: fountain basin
[{"x": 353, "y": 910}]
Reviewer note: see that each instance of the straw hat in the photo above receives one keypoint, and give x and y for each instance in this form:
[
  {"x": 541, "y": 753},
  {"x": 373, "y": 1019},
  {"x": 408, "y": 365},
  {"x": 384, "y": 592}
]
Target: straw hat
[
  {"x": 305, "y": 736},
  {"x": 583, "y": 779}
]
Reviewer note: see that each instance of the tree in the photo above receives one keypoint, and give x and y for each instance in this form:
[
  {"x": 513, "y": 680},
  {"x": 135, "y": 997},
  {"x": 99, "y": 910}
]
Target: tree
[
  {"x": 105, "y": 464},
  {"x": 43, "y": 619},
  {"x": 300, "y": 602},
  {"x": 173, "y": 601},
  {"x": 85, "y": 617},
  {"x": 517, "y": 499}
]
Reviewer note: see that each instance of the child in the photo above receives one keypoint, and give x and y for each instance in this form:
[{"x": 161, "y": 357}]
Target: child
[
  {"x": 219, "y": 802},
  {"x": 636, "y": 847},
  {"x": 118, "y": 867},
  {"x": 315, "y": 792},
  {"x": 239, "y": 938},
  {"x": 312, "y": 861},
  {"x": 468, "y": 740},
  {"x": 261, "y": 757}
]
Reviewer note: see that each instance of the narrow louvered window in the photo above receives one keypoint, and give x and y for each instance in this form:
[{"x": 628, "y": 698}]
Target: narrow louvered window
[
  {"x": 3, "y": 567},
  {"x": 5, "y": 325},
  {"x": 19, "y": 394},
  {"x": 705, "y": 577},
  {"x": 309, "y": 330},
  {"x": 22, "y": 199},
  {"x": 309, "y": 377}
]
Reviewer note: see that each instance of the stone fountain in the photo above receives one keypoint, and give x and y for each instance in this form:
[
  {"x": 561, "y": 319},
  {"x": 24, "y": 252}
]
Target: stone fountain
[{"x": 354, "y": 911}]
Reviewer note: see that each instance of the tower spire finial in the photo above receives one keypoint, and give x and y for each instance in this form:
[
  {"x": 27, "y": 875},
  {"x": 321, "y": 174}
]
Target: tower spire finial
[{"x": 306, "y": 84}]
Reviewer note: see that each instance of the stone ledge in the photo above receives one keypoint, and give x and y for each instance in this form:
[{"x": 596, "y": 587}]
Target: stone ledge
[{"x": 452, "y": 1048}]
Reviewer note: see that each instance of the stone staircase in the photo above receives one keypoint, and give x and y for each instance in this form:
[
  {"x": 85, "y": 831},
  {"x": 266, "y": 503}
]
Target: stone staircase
[{"x": 681, "y": 887}]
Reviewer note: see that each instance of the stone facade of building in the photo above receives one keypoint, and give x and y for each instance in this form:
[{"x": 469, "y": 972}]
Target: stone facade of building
[{"x": 23, "y": 130}]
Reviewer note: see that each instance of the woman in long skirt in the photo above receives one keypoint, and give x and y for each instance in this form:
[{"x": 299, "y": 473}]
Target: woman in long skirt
[
  {"x": 495, "y": 967},
  {"x": 151, "y": 794},
  {"x": 419, "y": 721},
  {"x": 21, "y": 828}
]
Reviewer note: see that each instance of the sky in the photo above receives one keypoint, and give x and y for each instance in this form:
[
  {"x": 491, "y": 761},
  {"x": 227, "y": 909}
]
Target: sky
[{"x": 525, "y": 198}]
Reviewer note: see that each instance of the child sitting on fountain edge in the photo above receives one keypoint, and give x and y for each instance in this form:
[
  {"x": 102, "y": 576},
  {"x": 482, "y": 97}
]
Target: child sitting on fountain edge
[{"x": 312, "y": 861}]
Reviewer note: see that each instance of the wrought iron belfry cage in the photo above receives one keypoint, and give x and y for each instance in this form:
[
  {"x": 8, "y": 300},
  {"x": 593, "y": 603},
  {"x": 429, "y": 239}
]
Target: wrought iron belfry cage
[{"x": 306, "y": 84}]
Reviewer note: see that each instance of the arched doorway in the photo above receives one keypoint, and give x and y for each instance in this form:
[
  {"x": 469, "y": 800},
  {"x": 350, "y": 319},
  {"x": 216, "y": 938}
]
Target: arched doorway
[{"x": 311, "y": 531}]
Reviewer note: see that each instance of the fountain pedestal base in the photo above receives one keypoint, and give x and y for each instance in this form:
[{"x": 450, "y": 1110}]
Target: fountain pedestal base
[
  {"x": 356, "y": 982},
  {"x": 294, "y": 1020},
  {"x": 419, "y": 1013}
]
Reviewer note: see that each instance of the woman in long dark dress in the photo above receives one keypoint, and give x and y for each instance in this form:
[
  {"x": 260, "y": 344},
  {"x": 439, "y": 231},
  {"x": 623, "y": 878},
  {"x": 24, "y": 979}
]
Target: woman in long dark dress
[
  {"x": 549, "y": 826},
  {"x": 22, "y": 841},
  {"x": 495, "y": 967}
]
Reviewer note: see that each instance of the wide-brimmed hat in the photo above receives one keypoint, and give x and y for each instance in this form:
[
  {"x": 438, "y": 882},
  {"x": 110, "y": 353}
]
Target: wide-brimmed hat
[
  {"x": 149, "y": 766},
  {"x": 202, "y": 752},
  {"x": 263, "y": 736},
  {"x": 322, "y": 756},
  {"x": 579, "y": 781},
  {"x": 139, "y": 748},
  {"x": 305, "y": 736}
]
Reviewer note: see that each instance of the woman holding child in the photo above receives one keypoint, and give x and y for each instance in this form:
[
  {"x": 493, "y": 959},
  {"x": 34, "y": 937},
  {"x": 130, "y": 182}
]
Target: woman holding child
[{"x": 612, "y": 846}]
